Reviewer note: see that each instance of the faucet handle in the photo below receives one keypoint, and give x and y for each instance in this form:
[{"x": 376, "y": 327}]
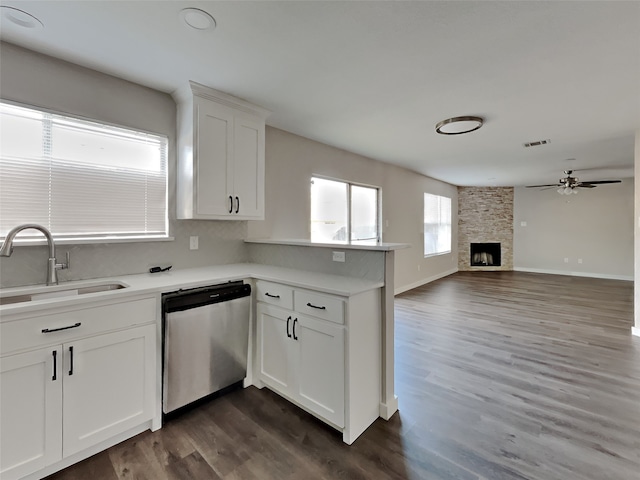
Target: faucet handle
[{"x": 67, "y": 264}]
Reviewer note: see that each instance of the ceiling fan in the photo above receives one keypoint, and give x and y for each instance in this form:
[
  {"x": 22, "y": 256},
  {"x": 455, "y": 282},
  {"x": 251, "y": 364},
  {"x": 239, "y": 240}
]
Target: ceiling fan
[{"x": 569, "y": 184}]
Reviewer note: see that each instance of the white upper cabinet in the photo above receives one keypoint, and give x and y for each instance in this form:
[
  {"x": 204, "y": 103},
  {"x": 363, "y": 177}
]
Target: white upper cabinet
[{"x": 220, "y": 156}]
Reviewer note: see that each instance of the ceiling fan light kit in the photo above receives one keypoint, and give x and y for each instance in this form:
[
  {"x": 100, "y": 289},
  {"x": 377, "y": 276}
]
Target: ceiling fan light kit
[
  {"x": 569, "y": 184},
  {"x": 567, "y": 190}
]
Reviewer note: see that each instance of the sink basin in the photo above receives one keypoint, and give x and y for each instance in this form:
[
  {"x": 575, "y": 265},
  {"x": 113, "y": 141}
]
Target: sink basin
[{"x": 44, "y": 293}]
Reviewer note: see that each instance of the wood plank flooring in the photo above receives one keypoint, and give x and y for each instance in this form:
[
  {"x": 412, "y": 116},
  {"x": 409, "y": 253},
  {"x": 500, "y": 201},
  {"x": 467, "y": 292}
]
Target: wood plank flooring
[{"x": 500, "y": 375}]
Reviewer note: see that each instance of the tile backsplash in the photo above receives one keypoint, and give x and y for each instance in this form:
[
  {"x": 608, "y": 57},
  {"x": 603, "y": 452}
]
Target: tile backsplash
[{"x": 220, "y": 242}]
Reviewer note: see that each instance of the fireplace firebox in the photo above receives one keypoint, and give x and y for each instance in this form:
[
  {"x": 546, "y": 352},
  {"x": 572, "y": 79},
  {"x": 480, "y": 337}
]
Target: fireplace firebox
[{"x": 485, "y": 255}]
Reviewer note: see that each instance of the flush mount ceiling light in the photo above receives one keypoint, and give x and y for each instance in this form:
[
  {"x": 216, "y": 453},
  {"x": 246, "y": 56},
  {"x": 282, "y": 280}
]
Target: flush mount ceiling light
[
  {"x": 459, "y": 125},
  {"x": 20, "y": 18},
  {"x": 197, "y": 19}
]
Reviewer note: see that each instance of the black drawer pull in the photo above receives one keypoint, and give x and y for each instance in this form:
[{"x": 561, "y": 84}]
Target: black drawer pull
[
  {"x": 50, "y": 330},
  {"x": 294, "y": 329},
  {"x": 70, "y": 360},
  {"x": 314, "y": 306},
  {"x": 272, "y": 296},
  {"x": 55, "y": 365},
  {"x": 288, "y": 320}
]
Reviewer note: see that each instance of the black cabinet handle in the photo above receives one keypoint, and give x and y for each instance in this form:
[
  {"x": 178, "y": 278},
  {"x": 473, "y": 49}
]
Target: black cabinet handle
[
  {"x": 288, "y": 320},
  {"x": 50, "y": 330},
  {"x": 230, "y": 204},
  {"x": 237, "y": 204},
  {"x": 55, "y": 365},
  {"x": 314, "y": 306},
  {"x": 70, "y": 361},
  {"x": 294, "y": 329},
  {"x": 272, "y": 296}
]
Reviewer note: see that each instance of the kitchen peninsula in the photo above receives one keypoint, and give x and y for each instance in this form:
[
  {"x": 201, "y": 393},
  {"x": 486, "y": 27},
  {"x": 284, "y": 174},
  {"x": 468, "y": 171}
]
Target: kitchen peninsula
[{"x": 127, "y": 322}]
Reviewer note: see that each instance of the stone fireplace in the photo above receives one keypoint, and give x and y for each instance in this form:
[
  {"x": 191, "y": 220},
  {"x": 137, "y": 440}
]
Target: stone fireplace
[{"x": 485, "y": 228}]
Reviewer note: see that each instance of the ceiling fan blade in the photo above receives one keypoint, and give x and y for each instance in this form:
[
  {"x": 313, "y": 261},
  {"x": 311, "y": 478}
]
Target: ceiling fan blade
[
  {"x": 551, "y": 185},
  {"x": 601, "y": 182},
  {"x": 585, "y": 185}
]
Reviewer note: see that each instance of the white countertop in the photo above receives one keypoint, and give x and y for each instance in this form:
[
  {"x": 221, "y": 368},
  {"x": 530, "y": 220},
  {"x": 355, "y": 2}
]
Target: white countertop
[
  {"x": 376, "y": 246},
  {"x": 187, "y": 278}
]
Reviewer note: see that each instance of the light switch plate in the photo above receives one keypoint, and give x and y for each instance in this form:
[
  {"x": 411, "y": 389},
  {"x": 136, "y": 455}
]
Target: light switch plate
[{"x": 339, "y": 256}]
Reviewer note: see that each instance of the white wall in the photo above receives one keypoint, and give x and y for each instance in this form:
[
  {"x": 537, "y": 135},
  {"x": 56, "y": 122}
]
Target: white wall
[
  {"x": 595, "y": 225},
  {"x": 39, "y": 80},
  {"x": 292, "y": 161}
]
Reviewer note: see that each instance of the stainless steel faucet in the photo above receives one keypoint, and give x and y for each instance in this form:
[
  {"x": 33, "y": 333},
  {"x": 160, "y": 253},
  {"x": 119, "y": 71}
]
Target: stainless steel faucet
[{"x": 52, "y": 267}]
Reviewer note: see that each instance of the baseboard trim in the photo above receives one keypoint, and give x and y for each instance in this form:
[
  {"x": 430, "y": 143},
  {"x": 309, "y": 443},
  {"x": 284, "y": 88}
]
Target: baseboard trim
[
  {"x": 424, "y": 281},
  {"x": 387, "y": 410},
  {"x": 573, "y": 274},
  {"x": 635, "y": 331}
]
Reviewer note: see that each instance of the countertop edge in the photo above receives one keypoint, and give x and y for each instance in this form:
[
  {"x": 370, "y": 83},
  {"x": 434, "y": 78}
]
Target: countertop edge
[
  {"x": 158, "y": 283},
  {"x": 381, "y": 247}
]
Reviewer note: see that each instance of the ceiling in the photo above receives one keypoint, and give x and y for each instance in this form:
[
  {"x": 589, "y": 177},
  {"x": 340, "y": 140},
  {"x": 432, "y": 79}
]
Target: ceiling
[{"x": 375, "y": 77}]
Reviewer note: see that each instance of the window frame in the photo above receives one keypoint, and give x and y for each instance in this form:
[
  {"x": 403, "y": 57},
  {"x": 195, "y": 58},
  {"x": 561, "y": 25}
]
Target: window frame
[
  {"x": 424, "y": 205},
  {"x": 349, "y": 184},
  {"x": 107, "y": 238}
]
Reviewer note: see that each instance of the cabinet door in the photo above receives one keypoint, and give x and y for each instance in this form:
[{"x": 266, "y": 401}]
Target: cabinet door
[
  {"x": 248, "y": 167},
  {"x": 320, "y": 363},
  {"x": 108, "y": 386},
  {"x": 30, "y": 412},
  {"x": 214, "y": 154},
  {"x": 274, "y": 348}
]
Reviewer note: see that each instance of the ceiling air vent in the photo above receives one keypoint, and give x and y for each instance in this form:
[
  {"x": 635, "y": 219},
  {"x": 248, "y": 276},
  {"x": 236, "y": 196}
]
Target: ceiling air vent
[{"x": 537, "y": 143}]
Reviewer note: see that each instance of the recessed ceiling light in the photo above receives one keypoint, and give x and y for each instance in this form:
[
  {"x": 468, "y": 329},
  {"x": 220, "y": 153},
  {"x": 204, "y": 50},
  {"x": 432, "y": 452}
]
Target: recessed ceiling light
[
  {"x": 459, "y": 125},
  {"x": 20, "y": 17},
  {"x": 197, "y": 19}
]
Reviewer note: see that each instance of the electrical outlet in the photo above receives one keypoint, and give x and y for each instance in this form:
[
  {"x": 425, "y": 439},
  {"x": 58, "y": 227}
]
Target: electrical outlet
[
  {"x": 338, "y": 256},
  {"x": 193, "y": 242},
  {"x": 418, "y": 267},
  {"x": 579, "y": 260},
  {"x": 523, "y": 224},
  {"x": 566, "y": 259}
]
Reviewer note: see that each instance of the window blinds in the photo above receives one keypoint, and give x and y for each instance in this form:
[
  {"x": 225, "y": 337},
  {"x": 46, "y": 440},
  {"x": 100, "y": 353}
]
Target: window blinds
[
  {"x": 437, "y": 224},
  {"x": 80, "y": 179}
]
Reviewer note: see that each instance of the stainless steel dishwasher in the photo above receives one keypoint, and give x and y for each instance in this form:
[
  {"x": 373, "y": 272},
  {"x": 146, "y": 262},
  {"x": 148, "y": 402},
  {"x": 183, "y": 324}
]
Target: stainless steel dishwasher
[{"x": 206, "y": 338}]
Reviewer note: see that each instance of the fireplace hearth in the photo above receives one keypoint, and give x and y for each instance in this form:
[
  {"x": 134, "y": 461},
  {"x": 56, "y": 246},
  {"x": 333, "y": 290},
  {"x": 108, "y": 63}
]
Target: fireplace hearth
[{"x": 485, "y": 255}]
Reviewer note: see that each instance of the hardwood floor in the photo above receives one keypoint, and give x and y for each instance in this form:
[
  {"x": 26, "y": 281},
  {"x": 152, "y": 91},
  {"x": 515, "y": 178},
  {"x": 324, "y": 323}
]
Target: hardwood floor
[{"x": 500, "y": 375}]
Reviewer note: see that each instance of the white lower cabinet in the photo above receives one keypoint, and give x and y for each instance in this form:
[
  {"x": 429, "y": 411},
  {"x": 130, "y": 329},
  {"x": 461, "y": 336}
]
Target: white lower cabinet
[
  {"x": 61, "y": 399},
  {"x": 111, "y": 388},
  {"x": 31, "y": 412},
  {"x": 322, "y": 352},
  {"x": 303, "y": 359}
]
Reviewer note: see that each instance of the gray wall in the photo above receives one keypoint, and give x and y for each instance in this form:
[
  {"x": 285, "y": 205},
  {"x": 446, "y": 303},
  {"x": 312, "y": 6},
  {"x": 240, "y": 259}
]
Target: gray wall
[
  {"x": 39, "y": 80},
  {"x": 293, "y": 160},
  {"x": 636, "y": 224},
  {"x": 595, "y": 225},
  {"x": 43, "y": 81}
]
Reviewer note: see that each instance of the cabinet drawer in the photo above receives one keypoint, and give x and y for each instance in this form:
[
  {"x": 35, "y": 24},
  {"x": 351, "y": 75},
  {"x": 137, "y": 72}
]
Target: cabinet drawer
[
  {"x": 27, "y": 333},
  {"x": 275, "y": 294},
  {"x": 321, "y": 306}
]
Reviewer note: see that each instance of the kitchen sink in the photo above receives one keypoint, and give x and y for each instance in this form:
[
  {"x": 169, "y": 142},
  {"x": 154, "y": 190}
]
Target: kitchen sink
[{"x": 44, "y": 293}]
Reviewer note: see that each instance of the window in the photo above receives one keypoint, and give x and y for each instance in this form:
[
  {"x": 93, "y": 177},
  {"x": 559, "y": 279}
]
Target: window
[
  {"x": 343, "y": 212},
  {"x": 437, "y": 225},
  {"x": 80, "y": 179}
]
